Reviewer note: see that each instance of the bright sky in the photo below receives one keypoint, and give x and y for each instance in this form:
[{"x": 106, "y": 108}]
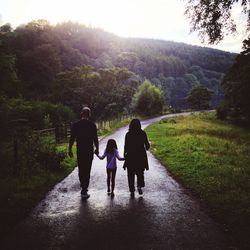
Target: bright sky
[{"x": 162, "y": 19}]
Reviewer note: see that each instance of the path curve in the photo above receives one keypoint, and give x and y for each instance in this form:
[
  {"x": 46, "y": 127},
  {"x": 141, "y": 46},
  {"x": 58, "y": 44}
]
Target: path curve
[{"x": 165, "y": 217}]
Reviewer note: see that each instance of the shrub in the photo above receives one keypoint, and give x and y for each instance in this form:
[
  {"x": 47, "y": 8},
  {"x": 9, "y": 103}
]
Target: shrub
[
  {"x": 148, "y": 99},
  {"x": 222, "y": 111}
]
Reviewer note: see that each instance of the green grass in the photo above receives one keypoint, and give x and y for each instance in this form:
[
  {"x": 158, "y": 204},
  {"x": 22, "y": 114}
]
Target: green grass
[
  {"x": 110, "y": 126},
  {"x": 212, "y": 158}
]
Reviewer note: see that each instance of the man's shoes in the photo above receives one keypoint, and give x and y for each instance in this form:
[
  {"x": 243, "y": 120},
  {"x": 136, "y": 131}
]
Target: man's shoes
[
  {"x": 132, "y": 194},
  {"x": 84, "y": 195},
  {"x": 140, "y": 191}
]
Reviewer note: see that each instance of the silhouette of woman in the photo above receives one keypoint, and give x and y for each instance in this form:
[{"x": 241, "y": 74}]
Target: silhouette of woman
[{"x": 136, "y": 161}]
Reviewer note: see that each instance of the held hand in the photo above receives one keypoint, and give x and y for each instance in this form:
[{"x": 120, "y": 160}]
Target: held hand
[{"x": 96, "y": 152}]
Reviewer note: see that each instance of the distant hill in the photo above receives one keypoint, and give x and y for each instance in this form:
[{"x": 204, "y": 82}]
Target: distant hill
[{"x": 42, "y": 51}]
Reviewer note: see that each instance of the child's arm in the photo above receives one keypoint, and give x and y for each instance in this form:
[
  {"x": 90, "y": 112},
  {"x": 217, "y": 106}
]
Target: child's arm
[
  {"x": 119, "y": 157},
  {"x": 102, "y": 156}
]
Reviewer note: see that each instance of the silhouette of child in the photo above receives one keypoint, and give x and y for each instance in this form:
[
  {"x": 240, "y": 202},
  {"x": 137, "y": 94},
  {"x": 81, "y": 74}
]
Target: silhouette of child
[{"x": 111, "y": 153}]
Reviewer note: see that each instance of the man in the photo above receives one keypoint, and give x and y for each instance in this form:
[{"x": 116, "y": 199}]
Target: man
[{"x": 85, "y": 133}]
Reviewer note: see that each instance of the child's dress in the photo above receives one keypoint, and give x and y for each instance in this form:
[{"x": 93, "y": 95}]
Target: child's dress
[
  {"x": 111, "y": 159},
  {"x": 111, "y": 168}
]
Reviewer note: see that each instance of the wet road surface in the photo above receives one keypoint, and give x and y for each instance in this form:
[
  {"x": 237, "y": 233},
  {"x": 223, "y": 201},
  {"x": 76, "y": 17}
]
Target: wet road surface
[{"x": 165, "y": 217}]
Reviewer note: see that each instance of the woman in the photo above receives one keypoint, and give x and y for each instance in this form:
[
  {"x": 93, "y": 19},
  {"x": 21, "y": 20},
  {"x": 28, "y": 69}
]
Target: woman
[{"x": 136, "y": 161}]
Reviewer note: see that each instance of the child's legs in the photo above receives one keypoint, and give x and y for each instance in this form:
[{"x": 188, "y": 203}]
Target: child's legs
[
  {"x": 140, "y": 178},
  {"x": 113, "y": 173},
  {"x": 108, "y": 178}
]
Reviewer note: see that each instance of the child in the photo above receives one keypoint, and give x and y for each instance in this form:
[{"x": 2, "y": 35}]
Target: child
[{"x": 111, "y": 153}]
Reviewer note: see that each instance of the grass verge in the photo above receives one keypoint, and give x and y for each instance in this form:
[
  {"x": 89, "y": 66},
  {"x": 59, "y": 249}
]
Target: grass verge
[
  {"x": 212, "y": 158},
  {"x": 20, "y": 194}
]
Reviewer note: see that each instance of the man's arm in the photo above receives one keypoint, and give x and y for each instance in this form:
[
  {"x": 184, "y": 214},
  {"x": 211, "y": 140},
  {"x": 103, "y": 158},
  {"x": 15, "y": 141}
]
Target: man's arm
[
  {"x": 71, "y": 142},
  {"x": 96, "y": 142}
]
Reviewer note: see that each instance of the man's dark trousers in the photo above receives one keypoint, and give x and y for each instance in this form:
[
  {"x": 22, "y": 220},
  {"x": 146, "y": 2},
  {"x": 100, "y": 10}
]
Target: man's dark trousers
[{"x": 84, "y": 160}]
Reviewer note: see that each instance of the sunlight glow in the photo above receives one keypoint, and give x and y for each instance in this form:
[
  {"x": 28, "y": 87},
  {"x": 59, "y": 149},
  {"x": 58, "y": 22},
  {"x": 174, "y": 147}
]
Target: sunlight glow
[{"x": 162, "y": 19}]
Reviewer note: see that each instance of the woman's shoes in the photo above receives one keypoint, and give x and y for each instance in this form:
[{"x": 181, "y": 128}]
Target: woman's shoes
[{"x": 140, "y": 191}]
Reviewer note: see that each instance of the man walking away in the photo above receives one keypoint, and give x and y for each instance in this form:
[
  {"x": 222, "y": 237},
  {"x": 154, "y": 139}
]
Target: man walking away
[{"x": 84, "y": 132}]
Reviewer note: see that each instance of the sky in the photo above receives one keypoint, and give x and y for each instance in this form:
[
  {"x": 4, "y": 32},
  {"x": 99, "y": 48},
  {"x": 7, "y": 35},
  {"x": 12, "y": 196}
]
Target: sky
[{"x": 158, "y": 19}]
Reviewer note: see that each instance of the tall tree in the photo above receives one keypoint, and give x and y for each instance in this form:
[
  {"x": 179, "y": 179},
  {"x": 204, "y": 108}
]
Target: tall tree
[
  {"x": 213, "y": 19},
  {"x": 236, "y": 84},
  {"x": 148, "y": 99},
  {"x": 200, "y": 97},
  {"x": 5, "y": 28}
]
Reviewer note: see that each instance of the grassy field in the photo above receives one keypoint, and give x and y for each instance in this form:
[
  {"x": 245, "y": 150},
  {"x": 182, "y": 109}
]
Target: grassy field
[{"x": 212, "y": 158}]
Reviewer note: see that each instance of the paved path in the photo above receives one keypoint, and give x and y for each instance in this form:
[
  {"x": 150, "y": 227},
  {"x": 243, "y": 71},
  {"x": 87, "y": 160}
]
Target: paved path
[{"x": 166, "y": 217}]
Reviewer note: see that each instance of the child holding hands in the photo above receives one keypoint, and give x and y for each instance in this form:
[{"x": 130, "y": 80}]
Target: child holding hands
[{"x": 111, "y": 153}]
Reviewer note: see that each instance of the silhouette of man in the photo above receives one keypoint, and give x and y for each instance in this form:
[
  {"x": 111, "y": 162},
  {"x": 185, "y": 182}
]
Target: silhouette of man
[{"x": 84, "y": 132}]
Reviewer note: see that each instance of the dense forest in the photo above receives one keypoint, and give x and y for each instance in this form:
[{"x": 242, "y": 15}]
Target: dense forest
[{"x": 72, "y": 64}]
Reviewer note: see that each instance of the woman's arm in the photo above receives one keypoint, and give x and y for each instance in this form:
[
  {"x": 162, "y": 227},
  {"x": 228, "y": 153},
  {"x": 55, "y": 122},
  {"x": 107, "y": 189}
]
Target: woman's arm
[
  {"x": 146, "y": 142},
  {"x": 126, "y": 145}
]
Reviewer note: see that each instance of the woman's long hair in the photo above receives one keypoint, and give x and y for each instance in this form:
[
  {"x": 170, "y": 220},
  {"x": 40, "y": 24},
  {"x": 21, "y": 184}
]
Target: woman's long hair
[
  {"x": 135, "y": 125},
  {"x": 111, "y": 146}
]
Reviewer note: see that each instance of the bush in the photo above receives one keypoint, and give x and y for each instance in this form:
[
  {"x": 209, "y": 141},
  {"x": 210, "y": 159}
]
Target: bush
[
  {"x": 222, "y": 111},
  {"x": 41, "y": 154},
  {"x": 148, "y": 100}
]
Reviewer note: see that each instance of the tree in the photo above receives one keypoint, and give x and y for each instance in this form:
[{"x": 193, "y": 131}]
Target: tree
[
  {"x": 106, "y": 91},
  {"x": 199, "y": 97},
  {"x": 8, "y": 77},
  {"x": 5, "y": 28},
  {"x": 148, "y": 99},
  {"x": 213, "y": 19},
  {"x": 236, "y": 85}
]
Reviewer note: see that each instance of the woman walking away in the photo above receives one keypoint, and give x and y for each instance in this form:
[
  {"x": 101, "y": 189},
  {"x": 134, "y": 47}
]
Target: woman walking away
[
  {"x": 136, "y": 161},
  {"x": 111, "y": 153}
]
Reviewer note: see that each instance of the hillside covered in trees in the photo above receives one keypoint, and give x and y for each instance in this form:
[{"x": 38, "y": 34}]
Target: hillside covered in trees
[{"x": 73, "y": 64}]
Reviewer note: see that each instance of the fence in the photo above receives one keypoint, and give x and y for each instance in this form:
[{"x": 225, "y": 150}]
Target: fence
[
  {"x": 11, "y": 152},
  {"x": 61, "y": 132}
]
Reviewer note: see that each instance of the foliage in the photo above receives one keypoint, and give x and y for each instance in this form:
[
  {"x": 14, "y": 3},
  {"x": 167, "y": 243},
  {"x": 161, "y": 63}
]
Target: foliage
[
  {"x": 236, "y": 85},
  {"x": 214, "y": 18},
  {"x": 17, "y": 113},
  {"x": 212, "y": 158},
  {"x": 199, "y": 97},
  {"x": 40, "y": 56},
  {"x": 19, "y": 195},
  {"x": 38, "y": 154},
  {"x": 108, "y": 92},
  {"x": 148, "y": 99},
  {"x": 222, "y": 111}
]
